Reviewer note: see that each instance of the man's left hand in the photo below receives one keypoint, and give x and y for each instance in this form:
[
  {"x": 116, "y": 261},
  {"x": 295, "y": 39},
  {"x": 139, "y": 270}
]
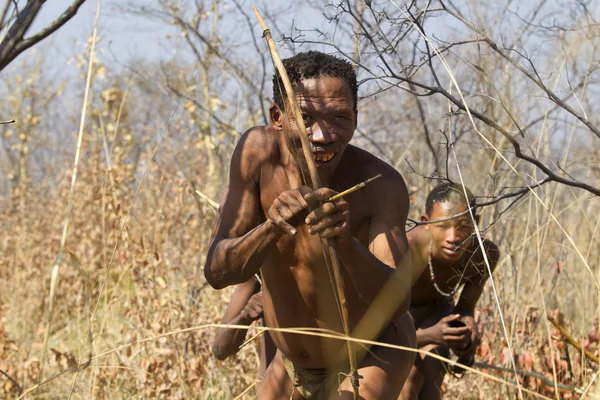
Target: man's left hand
[
  {"x": 332, "y": 218},
  {"x": 475, "y": 340}
]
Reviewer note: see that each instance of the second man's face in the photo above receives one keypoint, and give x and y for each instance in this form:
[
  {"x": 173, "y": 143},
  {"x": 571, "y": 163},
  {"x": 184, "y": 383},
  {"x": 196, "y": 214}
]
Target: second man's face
[
  {"x": 328, "y": 113},
  {"x": 451, "y": 237}
]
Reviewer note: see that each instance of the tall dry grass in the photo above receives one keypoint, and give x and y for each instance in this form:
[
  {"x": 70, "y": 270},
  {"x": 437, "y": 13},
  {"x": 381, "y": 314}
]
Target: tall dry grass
[{"x": 155, "y": 284}]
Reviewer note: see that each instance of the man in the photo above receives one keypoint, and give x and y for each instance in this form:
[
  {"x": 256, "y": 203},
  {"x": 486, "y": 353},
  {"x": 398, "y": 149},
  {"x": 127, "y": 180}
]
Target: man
[
  {"x": 245, "y": 307},
  {"x": 265, "y": 225},
  {"x": 445, "y": 255}
]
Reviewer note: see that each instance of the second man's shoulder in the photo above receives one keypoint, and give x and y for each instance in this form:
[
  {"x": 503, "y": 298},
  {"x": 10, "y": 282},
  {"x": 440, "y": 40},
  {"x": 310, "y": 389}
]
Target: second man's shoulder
[{"x": 492, "y": 252}]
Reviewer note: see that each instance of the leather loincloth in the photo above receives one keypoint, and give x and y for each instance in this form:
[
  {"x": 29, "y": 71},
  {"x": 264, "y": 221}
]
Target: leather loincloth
[
  {"x": 317, "y": 383},
  {"x": 314, "y": 383}
]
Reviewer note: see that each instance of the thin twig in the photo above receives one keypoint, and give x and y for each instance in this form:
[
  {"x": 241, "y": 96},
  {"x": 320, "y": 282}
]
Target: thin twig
[
  {"x": 533, "y": 374},
  {"x": 13, "y": 381},
  {"x": 128, "y": 214},
  {"x": 241, "y": 395},
  {"x": 210, "y": 201},
  {"x": 56, "y": 267},
  {"x": 572, "y": 341}
]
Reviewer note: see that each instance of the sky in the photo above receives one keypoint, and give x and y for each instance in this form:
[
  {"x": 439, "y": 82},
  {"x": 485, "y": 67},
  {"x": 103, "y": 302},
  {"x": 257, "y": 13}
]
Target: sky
[{"x": 122, "y": 37}]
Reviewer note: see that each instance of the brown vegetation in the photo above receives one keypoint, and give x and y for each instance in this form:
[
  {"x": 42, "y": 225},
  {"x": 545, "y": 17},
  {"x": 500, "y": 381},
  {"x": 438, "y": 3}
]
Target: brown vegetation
[{"x": 156, "y": 145}]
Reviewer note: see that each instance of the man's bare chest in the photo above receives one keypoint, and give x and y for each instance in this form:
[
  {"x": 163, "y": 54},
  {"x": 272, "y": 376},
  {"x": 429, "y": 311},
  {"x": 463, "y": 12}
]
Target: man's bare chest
[{"x": 438, "y": 280}]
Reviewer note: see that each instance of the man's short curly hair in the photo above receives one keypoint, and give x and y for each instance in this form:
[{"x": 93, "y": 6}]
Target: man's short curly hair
[
  {"x": 449, "y": 192},
  {"x": 314, "y": 64}
]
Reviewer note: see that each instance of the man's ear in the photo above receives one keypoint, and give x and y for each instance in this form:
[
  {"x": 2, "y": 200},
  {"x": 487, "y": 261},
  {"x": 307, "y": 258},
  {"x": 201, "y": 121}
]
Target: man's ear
[
  {"x": 276, "y": 117},
  {"x": 425, "y": 218}
]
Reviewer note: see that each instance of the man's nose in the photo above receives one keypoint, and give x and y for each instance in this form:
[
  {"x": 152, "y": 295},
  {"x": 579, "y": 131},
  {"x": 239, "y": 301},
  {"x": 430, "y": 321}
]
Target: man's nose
[
  {"x": 452, "y": 236},
  {"x": 320, "y": 134}
]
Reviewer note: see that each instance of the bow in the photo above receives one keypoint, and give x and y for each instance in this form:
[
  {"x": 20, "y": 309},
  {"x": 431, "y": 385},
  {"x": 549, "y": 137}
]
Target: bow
[{"x": 330, "y": 252}]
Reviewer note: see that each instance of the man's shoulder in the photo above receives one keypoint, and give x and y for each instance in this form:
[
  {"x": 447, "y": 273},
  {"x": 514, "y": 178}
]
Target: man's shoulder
[
  {"x": 256, "y": 146},
  {"x": 371, "y": 165},
  {"x": 492, "y": 253},
  {"x": 491, "y": 249},
  {"x": 258, "y": 141}
]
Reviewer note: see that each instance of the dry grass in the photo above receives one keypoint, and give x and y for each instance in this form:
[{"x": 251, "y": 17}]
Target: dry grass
[
  {"x": 155, "y": 286},
  {"x": 155, "y": 283}
]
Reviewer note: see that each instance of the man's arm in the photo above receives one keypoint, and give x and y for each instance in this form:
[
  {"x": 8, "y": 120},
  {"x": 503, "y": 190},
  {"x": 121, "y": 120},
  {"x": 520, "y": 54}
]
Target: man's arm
[
  {"x": 227, "y": 341},
  {"x": 387, "y": 255},
  {"x": 474, "y": 288},
  {"x": 240, "y": 241},
  {"x": 478, "y": 272}
]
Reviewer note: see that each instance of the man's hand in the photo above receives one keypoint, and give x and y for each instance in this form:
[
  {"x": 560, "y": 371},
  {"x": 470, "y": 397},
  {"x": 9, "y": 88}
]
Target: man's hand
[
  {"x": 475, "y": 340},
  {"x": 444, "y": 335},
  {"x": 288, "y": 210},
  {"x": 254, "y": 308},
  {"x": 332, "y": 218}
]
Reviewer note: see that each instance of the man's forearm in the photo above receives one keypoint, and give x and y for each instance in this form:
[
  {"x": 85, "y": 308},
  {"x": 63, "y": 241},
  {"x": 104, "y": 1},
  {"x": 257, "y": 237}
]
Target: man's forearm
[
  {"x": 233, "y": 261},
  {"x": 368, "y": 274},
  {"x": 228, "y": 340},
  {"x": 423, "y": 338}
]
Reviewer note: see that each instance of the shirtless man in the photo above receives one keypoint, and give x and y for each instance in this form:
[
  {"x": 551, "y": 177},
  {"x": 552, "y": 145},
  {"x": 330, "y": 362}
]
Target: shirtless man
[
  {"x": 265, "y": 225},
  {"x": 245, "y": 307},
  {"x": 445, "y": 255}
]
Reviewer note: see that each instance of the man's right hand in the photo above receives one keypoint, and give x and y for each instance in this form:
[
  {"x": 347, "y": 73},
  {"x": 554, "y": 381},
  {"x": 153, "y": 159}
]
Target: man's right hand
[
  {"x": 289, "y": 210},
  {"x": 254, "y": 308},
  {"x": 445, "y": 335}
]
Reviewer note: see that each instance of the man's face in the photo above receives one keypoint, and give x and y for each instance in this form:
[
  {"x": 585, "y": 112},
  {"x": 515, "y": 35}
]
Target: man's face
[
  {"x": 452, "y": 237},
  {"x": 328, "y": 112}
]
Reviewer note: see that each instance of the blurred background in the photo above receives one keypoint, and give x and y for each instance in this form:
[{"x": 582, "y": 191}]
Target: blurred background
[{"x": 500, "y": 91}]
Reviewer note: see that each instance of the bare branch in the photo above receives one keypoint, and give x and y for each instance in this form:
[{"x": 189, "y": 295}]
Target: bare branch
[
  {"x": 532, "y": 76},
  {"x": 20, "y": 389},
  {"x": 17, "y": 31},
  {"x": 517, "y": 147},
  {"x": 15, "y": 42}
]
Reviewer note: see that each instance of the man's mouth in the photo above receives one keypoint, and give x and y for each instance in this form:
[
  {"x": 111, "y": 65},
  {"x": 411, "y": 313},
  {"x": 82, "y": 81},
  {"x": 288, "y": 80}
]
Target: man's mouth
[
  {"x": 452, "y": 251},
  {"x": 322, "y": 158}
]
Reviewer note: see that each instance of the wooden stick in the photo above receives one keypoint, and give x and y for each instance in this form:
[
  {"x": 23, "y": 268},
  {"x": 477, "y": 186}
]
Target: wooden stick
[
  {"x": 573, "y": 341},
  {"x": 316, "y": 184},
  {"x": 310, "y": 160},
  {"x": 533, "y": 374}
]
